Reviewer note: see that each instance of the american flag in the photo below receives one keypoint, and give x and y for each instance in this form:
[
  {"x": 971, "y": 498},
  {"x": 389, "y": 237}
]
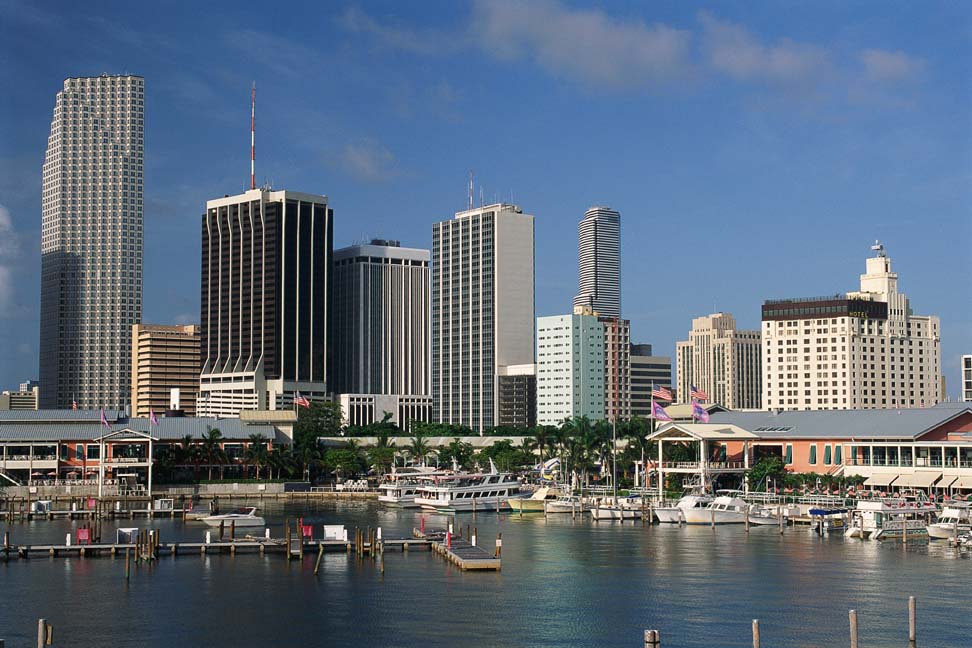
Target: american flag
[
  {"x": 74, "y": 405},
  {"x": 301, "y": 401},
  {"x": 698, "y": 394},
  {"x": 661, "y": 393}
]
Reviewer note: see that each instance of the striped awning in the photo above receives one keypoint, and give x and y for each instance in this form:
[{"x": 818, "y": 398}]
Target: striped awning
[
  {"x": 880, "y": 479},
  {"x": 918, "y": 479}
]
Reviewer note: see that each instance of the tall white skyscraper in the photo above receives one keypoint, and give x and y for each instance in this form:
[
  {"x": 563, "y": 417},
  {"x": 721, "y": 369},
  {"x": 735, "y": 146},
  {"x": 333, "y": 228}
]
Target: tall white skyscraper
[
  {"x": 482, "y": 314},
  {"x": 599, "y": 261},
  {"x": 91, "y": 242},
  {"x": 570, "y": 368},
  {"x": 862, "y": 350}
]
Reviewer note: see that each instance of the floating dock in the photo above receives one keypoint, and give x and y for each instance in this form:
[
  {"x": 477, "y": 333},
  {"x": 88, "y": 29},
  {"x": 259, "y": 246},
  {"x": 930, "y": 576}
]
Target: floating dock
[{"x": 461, "y": 552}]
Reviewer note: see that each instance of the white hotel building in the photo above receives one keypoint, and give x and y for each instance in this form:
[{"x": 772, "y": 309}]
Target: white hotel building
[
  {"x": 570, "y": 368},
  {"x": 862, "y": 350}
]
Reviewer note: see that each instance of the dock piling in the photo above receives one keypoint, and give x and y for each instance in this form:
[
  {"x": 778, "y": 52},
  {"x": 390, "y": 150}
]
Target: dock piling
[
  {"x": 852, "y": 615},
  {"x": 499, "y": 545},
  {"x": 755, "y": 633},
  {"x": 652, "y": 639},
  {"x": 913, "y": 620}
]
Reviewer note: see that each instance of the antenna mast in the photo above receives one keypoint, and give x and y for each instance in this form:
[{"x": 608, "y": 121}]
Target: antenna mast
[
  {"x": 470, "y": 189},
  {"x": 253, "y": 137}
]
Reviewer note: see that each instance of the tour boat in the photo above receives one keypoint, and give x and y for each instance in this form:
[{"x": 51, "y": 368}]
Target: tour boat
[
  {"x": 953, "y": 520},
  {"x": 242, "y": 517},
  {"x": 672, "y": 514},
  {"x": 534, "y": 503},
  {"x": 889, "y": 518},
  {"x": 465, "y": 492},
  {"x": 724, "y": 509},
  {"x": 401, "y": 486}
]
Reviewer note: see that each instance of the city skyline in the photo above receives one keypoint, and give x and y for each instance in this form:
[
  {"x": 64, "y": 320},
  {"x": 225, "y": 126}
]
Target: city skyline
[{"x": 891, "y": 158}]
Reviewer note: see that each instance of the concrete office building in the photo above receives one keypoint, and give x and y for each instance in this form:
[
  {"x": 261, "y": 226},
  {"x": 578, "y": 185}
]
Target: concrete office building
[
  {"x": 380, "y": 320},
  {"x": 365, "y": 409},
  {"x": 722, "y": 361},
  {"x": 91, "y": 241},
  {"x": 482, "y": 312},
  {"x": 165, "y": 369},
  {"x": 570, "y": 368},
  {"x": 516, "y": 391},
  {"x": 966, "y": 381},
  {"x": 861, "y": 350},
  {"x": 647, "y": 370},
  {"x": 617, "y": 368},
  {"x": 266, "y": 258},
  {"x": 24, "y": 399},
  {"x": 599, "y": 261}
]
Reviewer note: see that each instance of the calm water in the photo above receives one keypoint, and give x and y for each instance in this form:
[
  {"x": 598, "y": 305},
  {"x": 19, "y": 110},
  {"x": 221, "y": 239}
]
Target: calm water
[{"x": 563, "y": 584}]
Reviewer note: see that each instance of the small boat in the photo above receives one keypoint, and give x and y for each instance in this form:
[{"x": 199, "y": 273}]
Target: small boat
[
  {"x": 534, "y": 503},
  {"x": 565, "y": 504},
  {"x": 242, "y": 517},
  {"x": 624, "y": 508},
  {"x": 827, "y": 519},
  {"x": 672, "y": 514},
  {"x": 762, "y": 515},
  {"x": 953, "y": 520},
  {"x": 724, "y": 509}
]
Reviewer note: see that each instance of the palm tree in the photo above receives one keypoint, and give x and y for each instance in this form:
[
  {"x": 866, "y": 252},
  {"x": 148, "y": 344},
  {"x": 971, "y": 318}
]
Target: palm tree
[
  {"x": 256, "y": 452},
  {"x": 418, "y": 449},
  {"x": 543, "y": 435},
  {"x": 211, "y": 448}
]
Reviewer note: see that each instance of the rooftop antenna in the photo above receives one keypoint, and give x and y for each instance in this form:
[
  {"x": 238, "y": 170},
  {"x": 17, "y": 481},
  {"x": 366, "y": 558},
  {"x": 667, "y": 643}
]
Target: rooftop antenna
[
  {"x": 482, "y": 203},
  {"x": 253, "y": 137},
  {"x": 470, "y": 189},
  {"x": 877, "y": 247}
]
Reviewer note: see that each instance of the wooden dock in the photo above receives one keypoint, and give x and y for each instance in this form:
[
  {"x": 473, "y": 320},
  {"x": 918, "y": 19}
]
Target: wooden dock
[{"x": 464, "y": 553}]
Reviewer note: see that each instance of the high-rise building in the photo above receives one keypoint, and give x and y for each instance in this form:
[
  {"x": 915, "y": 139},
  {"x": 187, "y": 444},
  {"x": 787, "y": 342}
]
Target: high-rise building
[
  {"x": 266, "y": 258},
  {"x": 617, "y": 368},
  {"x": 516, "y": 396},
  {"x": 966, "y": 381},
  {"x": 380, "y": 320},
  {"x": 482, "y": 311},
  {"x": 647, "y": 371},
  {"x": 25, "y": 399},
  {"x": 720, "y": 360},
  {"x": 165, "y": 367},
  {"x": 599, "y": 261},
  {"x": 570, "y": 368},
  {"x": 862, "y": 350},
  {"x": 91, "y": 242}
]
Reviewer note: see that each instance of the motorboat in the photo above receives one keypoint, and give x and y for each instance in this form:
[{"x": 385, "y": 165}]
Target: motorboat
[
  {"x": 673, "y": 514},
  {"x": 463, "y": 492},
  {"x": 952, "y": 521},
  {"x": 889, "y": 518},
  {"x": 241, "y": 517},
  {"x": 622, "y": 508},
  {"x": 400, "y": 488},
  {"x": 565, "y": 504},
  {"x": 728, "y": 508},
  {"x": 827, "y": 519},
  {"x": 536, "y": 502}
]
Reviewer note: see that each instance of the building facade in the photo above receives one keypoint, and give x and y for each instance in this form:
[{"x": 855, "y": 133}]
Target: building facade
[
  {"x": 91, "y": 241},
  {"x": 25, "y": 399},
  {"x": 570, "y": 368},
  {"x": 647, "y": 371},
  {"x": 482, "y": 310},
  {"x": 165, "y": 369},
  {"x": 365, "y": 409},
  {"x": 862, "y": 350},
  {"x": 380, "y": 320},
  {"x": 617, "y": 368},
  {"x": 599, "y": 261},
  {"x": 966, "y": 382},
  {"x": 722, "y": 361},
  {"x": 266, "y": 267}
]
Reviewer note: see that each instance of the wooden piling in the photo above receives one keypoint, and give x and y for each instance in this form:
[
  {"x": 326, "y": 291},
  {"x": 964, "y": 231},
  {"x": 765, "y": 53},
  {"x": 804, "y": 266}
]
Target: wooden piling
[
  {"x": 749, "y": 508},
  {"x": 320, "y": 554},
  {"x": 652, "y": 639},
  {"x": 712, "y": 518},
  {"x": 232, "y": 530},
  {"x": 755, "y": 633},
  {"x": 852, "y": 615},
  {"x": 128, "y": 564},
  {"x": 913, "y": 620}
]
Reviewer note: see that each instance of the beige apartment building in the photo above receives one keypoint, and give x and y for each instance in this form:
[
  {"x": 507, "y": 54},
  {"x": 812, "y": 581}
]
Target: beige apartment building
[
  {"x": 862, "y": 350},
  {"x": 722, "y": 361},
  {"x": 165, "y": 368}
]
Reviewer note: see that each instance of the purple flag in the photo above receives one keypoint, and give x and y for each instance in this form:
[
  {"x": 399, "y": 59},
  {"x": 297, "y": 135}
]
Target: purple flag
[
  {"x": 658, "y": 412},
  {"x": 104, "y": 419},
  {"x": 152, "y": 418},
  {"x": 699, "y": 412}
]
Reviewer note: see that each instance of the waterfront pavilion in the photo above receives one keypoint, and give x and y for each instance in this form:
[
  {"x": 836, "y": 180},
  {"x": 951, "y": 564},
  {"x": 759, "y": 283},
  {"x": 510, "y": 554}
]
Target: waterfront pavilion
[{"x": 710, "y": 443}]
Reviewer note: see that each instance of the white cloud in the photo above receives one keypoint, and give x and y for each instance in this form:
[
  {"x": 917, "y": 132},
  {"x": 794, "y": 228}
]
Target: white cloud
[
  {"x": 882, "y": 65},
  {"x": 732, "y": 50},
  {"x": 579, "y": 43},
  {"x": 368, "y": 160},
  {"x": 396, "y": 37}
]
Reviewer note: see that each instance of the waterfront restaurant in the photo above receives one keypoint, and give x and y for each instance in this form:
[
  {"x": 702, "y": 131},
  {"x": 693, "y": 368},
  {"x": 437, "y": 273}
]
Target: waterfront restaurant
[
  {"x": 893, "y": 450},
  {"x": 67, "y": 447}
]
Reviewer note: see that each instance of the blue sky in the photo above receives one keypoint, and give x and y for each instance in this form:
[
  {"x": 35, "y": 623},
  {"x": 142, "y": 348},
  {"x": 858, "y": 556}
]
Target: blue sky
[{"x": 755, "y": 150}]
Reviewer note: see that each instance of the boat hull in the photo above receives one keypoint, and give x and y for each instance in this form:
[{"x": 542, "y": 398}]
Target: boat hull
[
  {"x": 946, "y": 530},
  {"x": 668, "y": 514},
  {"x": 525, "y": 505},
  {"x": 239, "y": 522},
  {"x": 485, "y": 504},
  {"x": 705, "y": 516},
  {"x": 614, "y": 513}
]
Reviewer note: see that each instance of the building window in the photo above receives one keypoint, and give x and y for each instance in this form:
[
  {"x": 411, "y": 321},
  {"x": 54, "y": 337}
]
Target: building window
[
  {"x": 827, "y": 454},
  {"x": 838, "y": 455},
  {"x": 813, "y": 455},
  {"x": 788, "y": 458}
]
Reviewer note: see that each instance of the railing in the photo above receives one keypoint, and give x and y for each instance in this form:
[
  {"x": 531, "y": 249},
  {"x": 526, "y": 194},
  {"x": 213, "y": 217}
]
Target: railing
[{"x": 683, "y": 465}]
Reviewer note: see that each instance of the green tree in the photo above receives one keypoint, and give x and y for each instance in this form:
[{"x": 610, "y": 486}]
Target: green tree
[
  {"x": 418, "y": 449},
  {"x": 767, "y": 467},
  {"x": 256, "y": 452},
  {"x": 211, "y": 450},
  {"x": 318, "y": 420},
  {"x": 459, "y": 450}
]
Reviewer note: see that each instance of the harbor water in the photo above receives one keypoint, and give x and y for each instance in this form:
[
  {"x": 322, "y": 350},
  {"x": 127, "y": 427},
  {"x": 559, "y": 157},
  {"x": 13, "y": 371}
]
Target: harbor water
[{"x": 563, "y": 583}]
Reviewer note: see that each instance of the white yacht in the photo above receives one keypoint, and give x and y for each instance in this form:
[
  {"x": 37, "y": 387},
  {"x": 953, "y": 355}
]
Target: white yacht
[
  {"x": 953, "y": 521},
  {"x": 889, "y": 518},
  {"x": 402, "y": 485},
  {"x": 566, "y": 504},
  {"x": 625, "y": 508},
  {"x": 727, "y": 508},
  {"x": 242, "y": 517},
  {"x": 463, "y": 492},
  {"x": 672, "y": 514}
]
